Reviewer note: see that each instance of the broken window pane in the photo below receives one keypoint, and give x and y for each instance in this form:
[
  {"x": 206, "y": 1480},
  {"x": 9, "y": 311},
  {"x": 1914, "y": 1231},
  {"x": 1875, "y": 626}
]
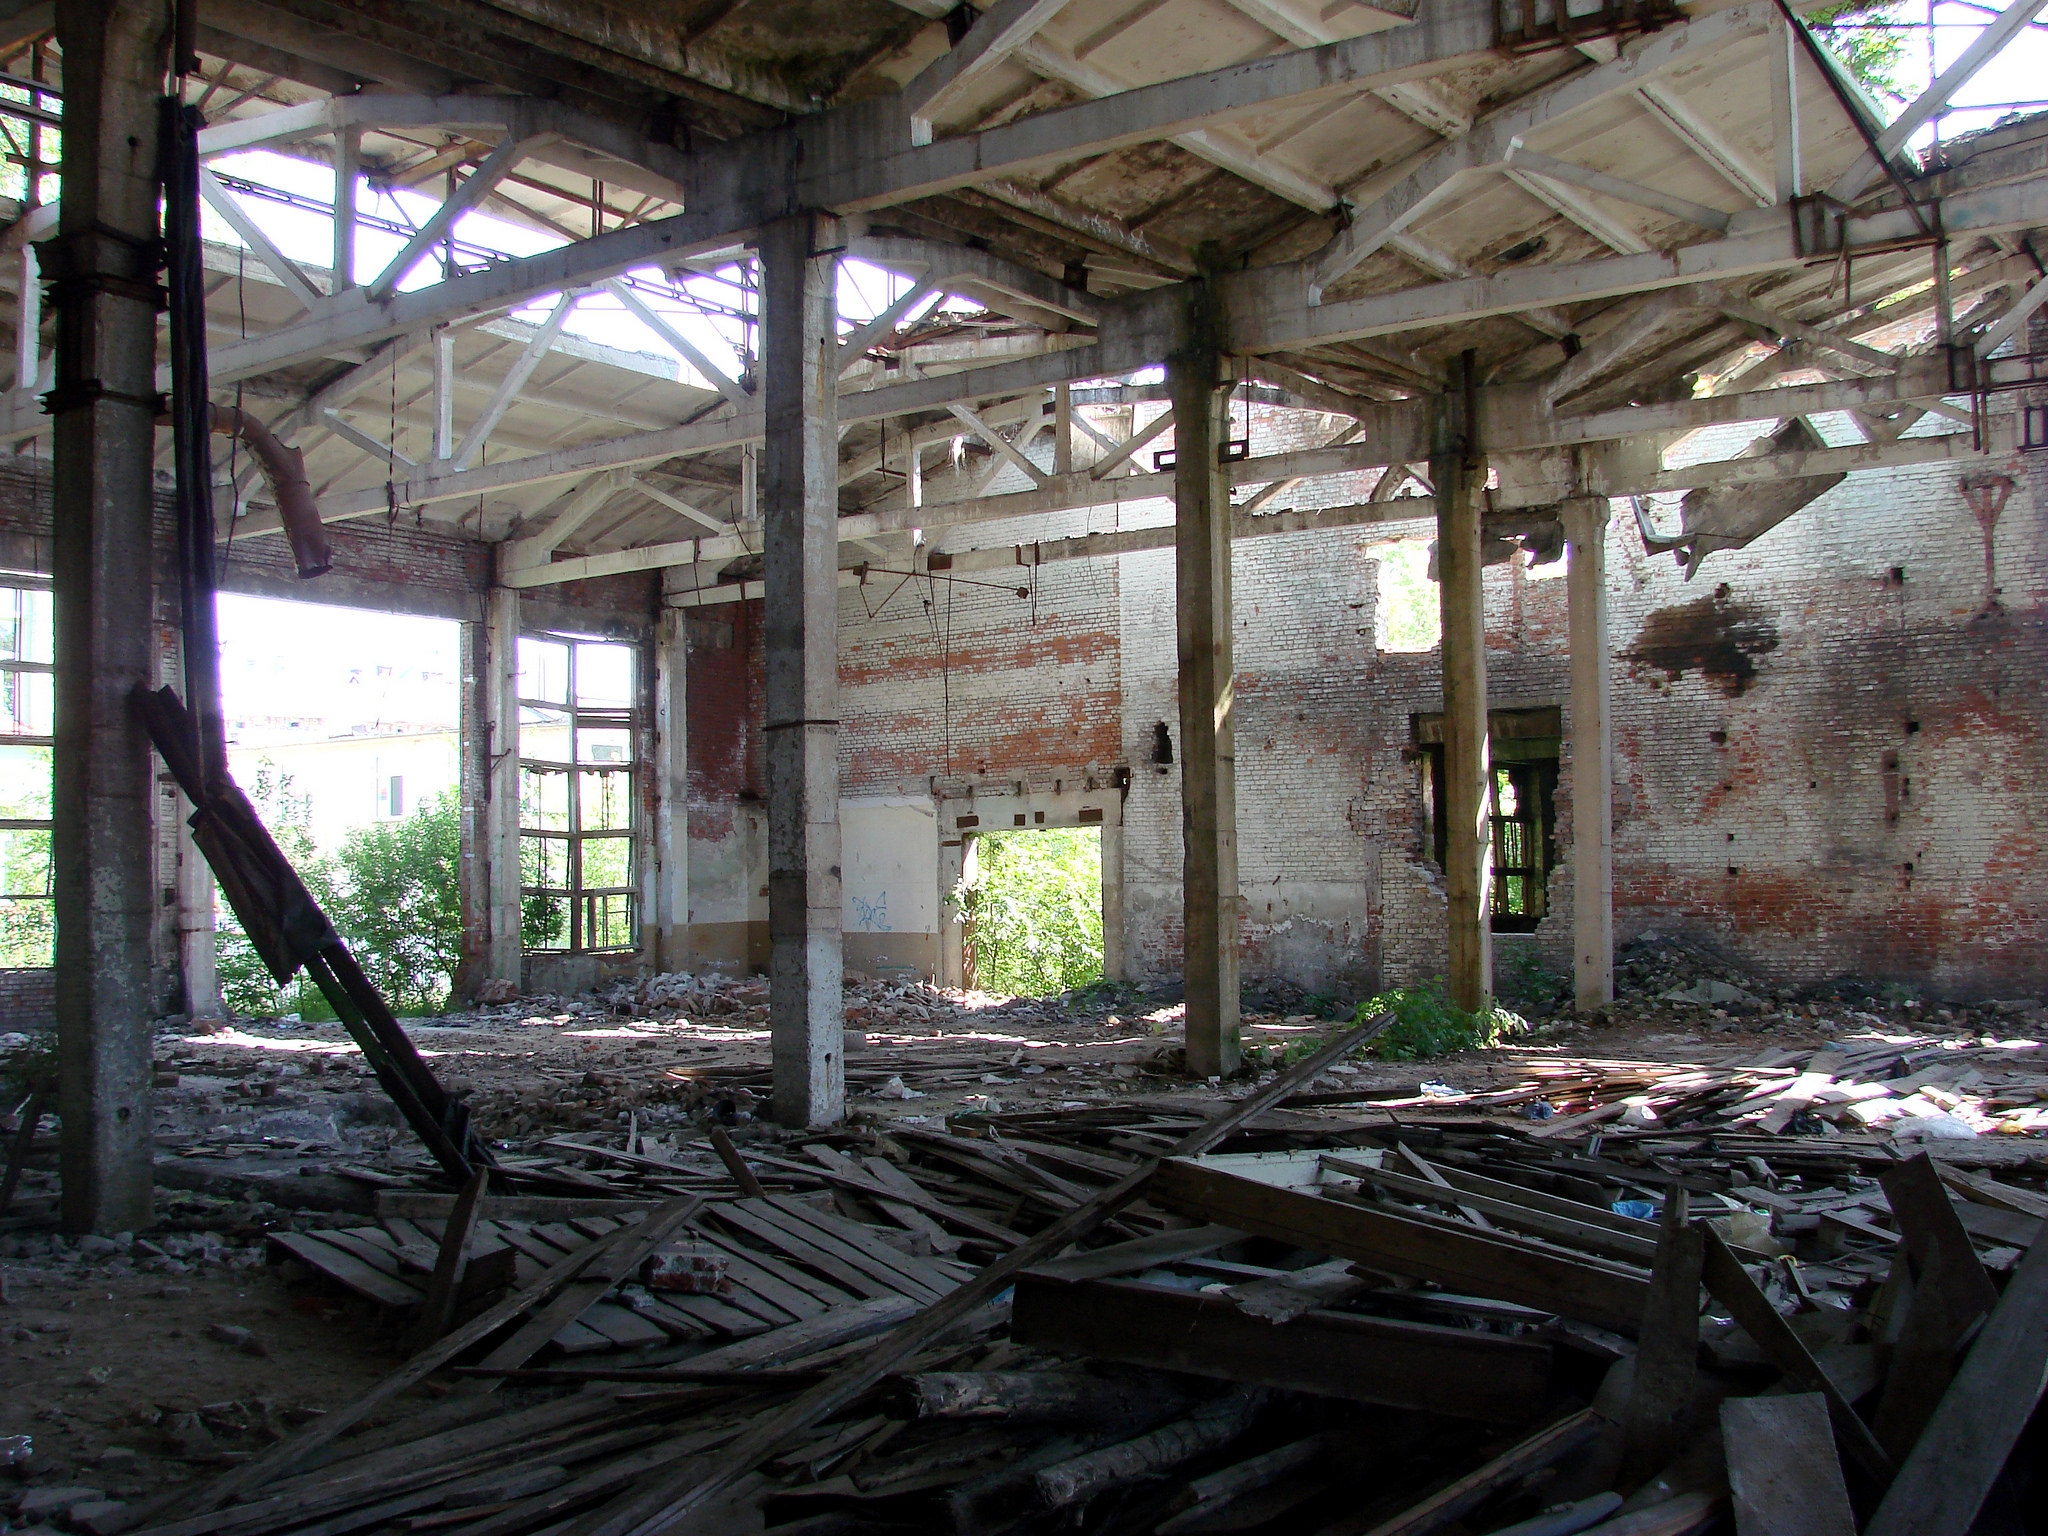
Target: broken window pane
[{"x": 604, "y": 676}]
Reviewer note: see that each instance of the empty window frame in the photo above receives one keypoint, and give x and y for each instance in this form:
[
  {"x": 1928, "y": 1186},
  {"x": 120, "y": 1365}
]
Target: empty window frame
[
  {"x": 28, "y": 926},
  {"x": 578, "y": 722},
  {"x": 1522, "y": 747}
]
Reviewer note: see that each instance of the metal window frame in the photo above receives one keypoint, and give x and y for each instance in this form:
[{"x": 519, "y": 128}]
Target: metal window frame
[
  {"x": 13, "y": 582},
  {"x": 580, "y": 897}
]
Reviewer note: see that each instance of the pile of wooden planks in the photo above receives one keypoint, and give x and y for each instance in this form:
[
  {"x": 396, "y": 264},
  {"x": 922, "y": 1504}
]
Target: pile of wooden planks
[{"x": 1186, "y": 1316}]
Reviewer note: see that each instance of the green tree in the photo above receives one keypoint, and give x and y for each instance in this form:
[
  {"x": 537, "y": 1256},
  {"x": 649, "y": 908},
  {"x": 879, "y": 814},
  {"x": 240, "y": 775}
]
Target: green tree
[
  {"x": 245, "y": 984},
  {"x": 28, "y": 928},
  {"x": 1036, "y": 906},
  {"x": 1871, "y": 40},
  {"x": 395, "y": 893}
]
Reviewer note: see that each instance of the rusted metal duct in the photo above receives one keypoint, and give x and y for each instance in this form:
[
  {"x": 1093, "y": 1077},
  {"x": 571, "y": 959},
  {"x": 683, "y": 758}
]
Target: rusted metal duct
[{"x": 285, "y": 471}]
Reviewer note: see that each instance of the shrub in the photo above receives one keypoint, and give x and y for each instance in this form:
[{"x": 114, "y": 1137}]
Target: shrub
[
  {"x": 1036, "y": 905},
  {"x": 1427, "y": 1023}
]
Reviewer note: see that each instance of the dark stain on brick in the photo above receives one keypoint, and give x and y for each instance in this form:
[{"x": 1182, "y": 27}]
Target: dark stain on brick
[{"x": 1716, "y": 636}]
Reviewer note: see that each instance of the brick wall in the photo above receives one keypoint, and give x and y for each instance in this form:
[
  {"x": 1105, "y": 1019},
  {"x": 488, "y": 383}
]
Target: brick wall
[{"x": 1863, "y": 750}]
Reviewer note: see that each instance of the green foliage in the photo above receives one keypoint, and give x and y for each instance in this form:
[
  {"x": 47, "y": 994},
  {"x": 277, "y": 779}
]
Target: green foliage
[
  {"x": 1870, "y": 39},
  {"x": 1036, "y": 905},
  {"x": 1410, "y": 612},
  {"x": 395, "y": 894},
  {"x": 1427, "y": 1023},
  {"x": 1527, "y": 978},
  {"x": 245, "y": 984},
  {"x": 28, "y": 928}
]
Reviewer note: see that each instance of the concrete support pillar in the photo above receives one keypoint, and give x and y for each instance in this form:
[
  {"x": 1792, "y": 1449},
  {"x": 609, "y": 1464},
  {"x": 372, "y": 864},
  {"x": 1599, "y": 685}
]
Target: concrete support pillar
[
  {"x": 669, "y": 910},
  {"x": 198, "y": 940},
  {"x": 952, "y": 931},
  {"x": 1585, "y": 527},
  {"x": 1208, "y": 754},
  {"x": 502, "y": 939},
  {"x": 1459, "y": 474},
  {"x": 1113, "y": 962},
  {"x": 102, "y": 269},
  {"x": 800, "y": 631}
]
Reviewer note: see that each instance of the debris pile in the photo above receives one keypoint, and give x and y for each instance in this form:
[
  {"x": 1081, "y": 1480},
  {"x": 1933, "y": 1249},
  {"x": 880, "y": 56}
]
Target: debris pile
[{"x": 1326, "y": 1311}]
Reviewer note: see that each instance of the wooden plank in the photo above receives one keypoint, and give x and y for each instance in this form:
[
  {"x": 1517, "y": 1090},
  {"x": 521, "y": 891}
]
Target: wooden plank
[
  {"x": 766, "y": 1292},
  {"x": 823, "y": 1292},
  {"x": 1658, "y": 1415},
  {"x": 668, "y": 1500},
  {"x": 437, "y": 1308},
  {"x": 861, "y": 1239},
  {"x": 1600, "y": 1240},
  {"x": 952, "y": 1215},
  {"x": 1951, "y": 1291},
  {"x": 418, "y": 1204},
  {"x": 1782, "y": 1468},
  {"x": 610, "y": 1260},
  {"x": 322, "y": 1431},
  {"x": 573, "y": 1338},
  {"x": 1459, "y": 1498},
  {"x": 340, "y": 1265},
  {"x": 742, "y": 1175},
  {"x": 1484, "y": 1263},
  {"x": 625, "y": 1328},
  {"x": 1457, "y": 1372},
  {"x": 908, "y": 1217},
  {"x": 714, "y": 1315},
  {"x": 1959, "y": 1455},
  {"x": 761, "y": 1222},
  {"x": 371, "y": 1245},
  {"x": 1730, "y": 1284},
  {"x": 1139, "y": 1253}
]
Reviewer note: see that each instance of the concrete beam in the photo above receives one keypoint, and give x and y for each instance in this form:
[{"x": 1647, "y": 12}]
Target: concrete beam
[{"x": 800, "y": 624}]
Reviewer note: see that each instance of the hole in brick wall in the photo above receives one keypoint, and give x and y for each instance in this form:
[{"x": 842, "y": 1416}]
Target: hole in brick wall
[
  {"x": 1912, "y": 727},
  {"x": 1731, "y": 837},
  {"x": 1408, "y": 615},
  {"x": 1733, "y": 870},
  {"x": 1162, "y": 744},
  {"x": 1718, "y": 738},
  {"x": 1898, "y": 576}
]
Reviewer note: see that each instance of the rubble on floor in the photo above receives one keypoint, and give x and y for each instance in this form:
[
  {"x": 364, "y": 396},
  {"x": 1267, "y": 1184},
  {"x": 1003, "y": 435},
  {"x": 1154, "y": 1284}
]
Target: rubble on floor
[{"x": 1689, "y": 1296}]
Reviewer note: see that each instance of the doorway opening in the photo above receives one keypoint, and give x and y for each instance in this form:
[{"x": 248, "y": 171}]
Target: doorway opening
[{"x": 1033, "y": 916}]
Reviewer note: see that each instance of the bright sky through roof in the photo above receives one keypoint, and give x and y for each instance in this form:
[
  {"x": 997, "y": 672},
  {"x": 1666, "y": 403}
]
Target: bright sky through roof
[
  {"x": 306, "y": 235},
  {"x": 2018, "y": 74}
]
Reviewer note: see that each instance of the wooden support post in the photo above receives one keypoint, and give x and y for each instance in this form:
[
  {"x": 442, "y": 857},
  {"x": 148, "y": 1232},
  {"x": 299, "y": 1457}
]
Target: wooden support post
[
  {"x": 1458, "y": 472},
  {"x": 1201, "y": 400},
  {"x": 102, "y": 269},
  {"x": 1592, "y": 697},
  {"x": 800, "y": 513}
]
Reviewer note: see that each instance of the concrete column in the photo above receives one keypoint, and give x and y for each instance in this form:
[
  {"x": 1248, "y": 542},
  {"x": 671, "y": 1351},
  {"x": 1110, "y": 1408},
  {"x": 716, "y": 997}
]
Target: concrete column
[
  {"x": 502, "y": 946},
  {"x": 800, "y": 533},
  {"x": 1459, "y": 475},
  {"x": 1113, "y": 901},
  {"x": 102, "y": 269},
  {"x": 1208, "y": 754},
  {"x": 952, "y": 932},
  {"x": 1585, "y": 527},
  {"x": 669, "y": 911},
  {"x": 198, "y": 940},
  {"x": 472, "y": 781}
]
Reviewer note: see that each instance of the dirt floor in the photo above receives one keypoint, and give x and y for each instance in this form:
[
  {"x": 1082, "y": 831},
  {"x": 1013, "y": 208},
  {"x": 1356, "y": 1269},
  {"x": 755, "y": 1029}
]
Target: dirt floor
[{"x": 131, "y": 1363}]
